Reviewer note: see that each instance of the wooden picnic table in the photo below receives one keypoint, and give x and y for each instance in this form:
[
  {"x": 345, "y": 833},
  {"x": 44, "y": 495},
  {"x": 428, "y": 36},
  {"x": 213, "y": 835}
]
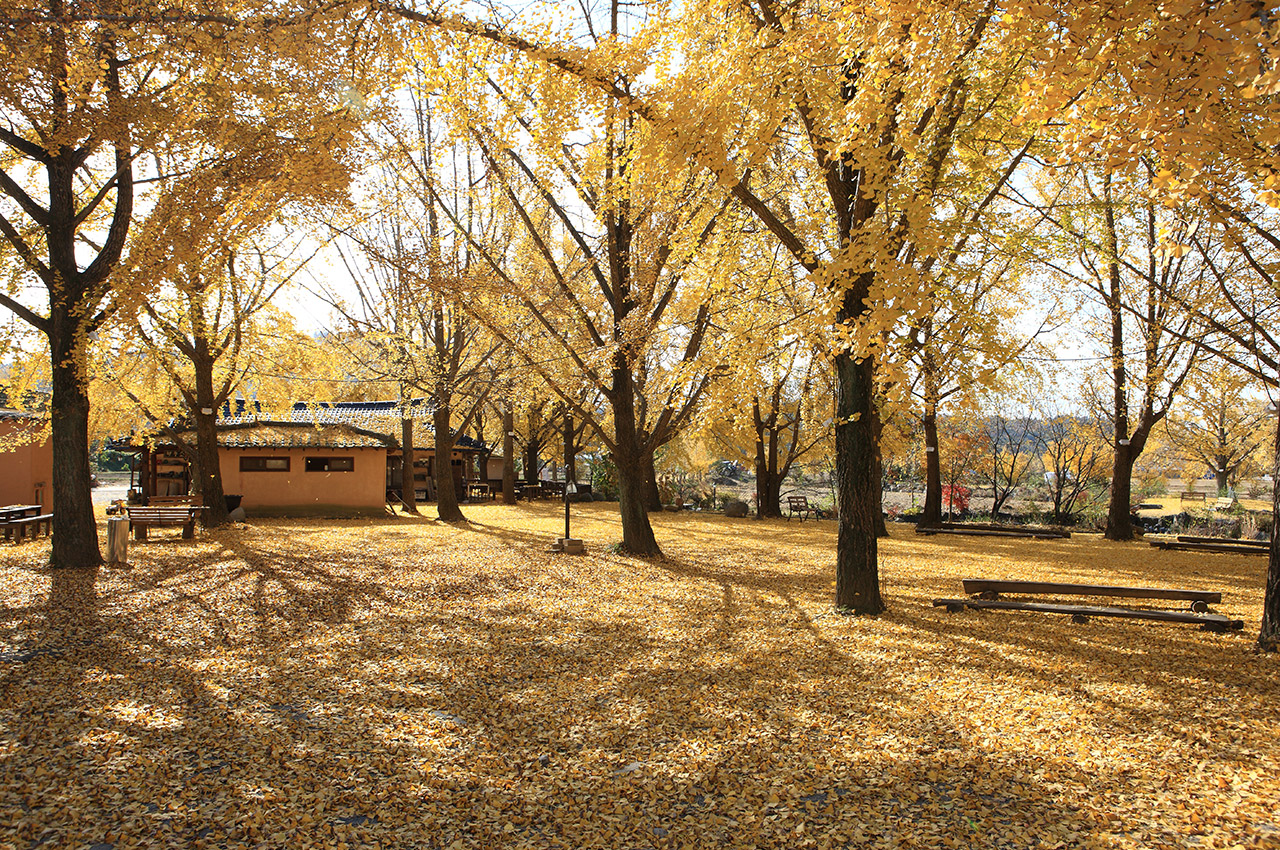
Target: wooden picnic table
[
  {"x": 17, "y": 520},
  {"x": 10, "y": 512}
]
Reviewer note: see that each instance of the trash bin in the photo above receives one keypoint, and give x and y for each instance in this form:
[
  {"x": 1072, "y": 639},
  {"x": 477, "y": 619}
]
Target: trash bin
[
  {"x": 233, "y": 501},
  {"x": 117, "y": 540}
]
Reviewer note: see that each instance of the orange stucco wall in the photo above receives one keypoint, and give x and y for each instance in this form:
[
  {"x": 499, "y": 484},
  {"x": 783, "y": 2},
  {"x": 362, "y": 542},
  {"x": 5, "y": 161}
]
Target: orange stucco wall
[
  {"x": 300, "y": 493},
  {"x": 26, "y": 472}
]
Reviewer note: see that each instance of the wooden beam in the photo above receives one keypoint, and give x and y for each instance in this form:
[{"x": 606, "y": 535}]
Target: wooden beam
[
  {"x": 979, "y": 585},
  {"x": 1212, "y": 621}
]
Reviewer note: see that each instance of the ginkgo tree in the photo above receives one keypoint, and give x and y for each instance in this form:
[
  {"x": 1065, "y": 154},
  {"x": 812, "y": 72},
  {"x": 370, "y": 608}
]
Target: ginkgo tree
[
  {"x": 1115, "y": 251},
  {"x": 875, "y": 97},
  {"x": 86, "y": 93},
  {"x": 612, "y": 269},
  {"x": 773, "y": 407},
  {"x": 875, "y": 102},
  {"x": 1221, "y": 423}
]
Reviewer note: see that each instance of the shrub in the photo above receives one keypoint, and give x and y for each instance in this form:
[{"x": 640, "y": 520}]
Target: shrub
[{"x": 955, "y": 498}]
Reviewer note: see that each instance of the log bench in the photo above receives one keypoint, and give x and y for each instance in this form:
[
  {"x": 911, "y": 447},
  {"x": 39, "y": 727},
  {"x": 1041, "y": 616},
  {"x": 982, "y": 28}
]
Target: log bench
[
  {"x": 1221, "y": 547},
  {"x": 1191, "y": 538},
  {"x": 987, "y": 592},
  {"x": 141, "y": 518},
  {"x": 990, "y": 589},
  {"x": 977, "y": 529},
  {"x": 16, "y": 529},
  {"x": 1082, "y": 613}
]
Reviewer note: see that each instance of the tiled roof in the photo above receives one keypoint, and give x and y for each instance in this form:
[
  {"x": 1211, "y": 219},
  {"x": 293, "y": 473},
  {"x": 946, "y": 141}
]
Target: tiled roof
[
  {"x": 377, "y": 415},
  {"x": 8, "y": 413},
  {"x": 298, "y": 435}
]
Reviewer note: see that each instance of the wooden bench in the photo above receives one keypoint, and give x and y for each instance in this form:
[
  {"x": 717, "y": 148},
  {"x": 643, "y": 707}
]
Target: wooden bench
[
  {"x": 988, "y": 592},
  {"x": 1190, "y": 496},
  {"x": 800, "y": 505},
  {"x": 1191, "y": 538},
  {"x": 1218, "y": 546},
  {"x": 992, "y": 588},
  {"x": 1225, "y": 503},
  {"x": 977, "y": 529},
  {"x": 142, "y": 518},
  {"x": 1082, "y": 613},
  {"x": 16, "y": 529}
]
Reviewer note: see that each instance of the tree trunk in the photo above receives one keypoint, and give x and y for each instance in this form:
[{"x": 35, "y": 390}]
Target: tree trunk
[
  {"x": 768, "y": 493},
  {"x": 637, "y": 533},
  {"x": 1119, "y": 522},
  {"x": 446, "y": 496},
  {"x": 1119, "y": 526},
  {"x": 932, "y": 470},
  {"x": 207, "y": 463},
  {"x": 1269, "y": 636},
  {"x": 649, "y": 469},
  {"x": 1220, "y": 473},
  {"x": 882, "y": 529},
  {"x": 857, "y": 568},
  {"x": 768, "y": 481},
  {"x": 75, "y": 531},
  {"x": 508, "y": 458},
  {"x": 531, "y": 464},
  {"x": 408, "y": 487}
]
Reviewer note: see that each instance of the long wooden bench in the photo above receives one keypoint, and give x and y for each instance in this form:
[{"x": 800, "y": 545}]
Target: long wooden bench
[
  {"x": 992, "y": 588},
  {"x": 988, "y": 593},
  {"x": 1221, "y": 547},
  {"x": 1192, "y": 538},
  {"x": 1082, "y": 613},
  {"x": 978, "y": 529},
  {"x": 143, "y": 517},
  {"x": 16, "y": 529}
]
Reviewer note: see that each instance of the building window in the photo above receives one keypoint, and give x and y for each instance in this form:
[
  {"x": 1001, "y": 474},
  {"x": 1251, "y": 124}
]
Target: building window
[
  {"x": 331, "y": 464},
  {"x": 264, "y": 464}
]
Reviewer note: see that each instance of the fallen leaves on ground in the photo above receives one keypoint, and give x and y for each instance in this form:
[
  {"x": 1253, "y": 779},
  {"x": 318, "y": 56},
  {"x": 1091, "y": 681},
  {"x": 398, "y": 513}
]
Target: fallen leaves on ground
[{"x": 405, "y": 683}]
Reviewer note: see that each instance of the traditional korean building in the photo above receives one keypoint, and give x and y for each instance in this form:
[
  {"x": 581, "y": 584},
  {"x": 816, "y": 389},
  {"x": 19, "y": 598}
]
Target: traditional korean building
[
  {"x": 26, "y": 460},
  {"x": 340, "y": 459}
]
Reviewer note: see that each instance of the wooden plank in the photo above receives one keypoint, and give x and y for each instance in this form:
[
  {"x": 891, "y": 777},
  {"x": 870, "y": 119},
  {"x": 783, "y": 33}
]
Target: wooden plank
[
  {"x": 1191, "y": 538},
  {"x": 981, "y": 585},
  {"x": 1213, "y": 620},
  {"x": 1218, "y": 548}
]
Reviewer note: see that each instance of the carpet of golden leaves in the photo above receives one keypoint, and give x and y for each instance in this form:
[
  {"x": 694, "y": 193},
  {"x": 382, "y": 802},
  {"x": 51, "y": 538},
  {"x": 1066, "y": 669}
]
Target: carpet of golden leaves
[{"x": 404, "y": 683}]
